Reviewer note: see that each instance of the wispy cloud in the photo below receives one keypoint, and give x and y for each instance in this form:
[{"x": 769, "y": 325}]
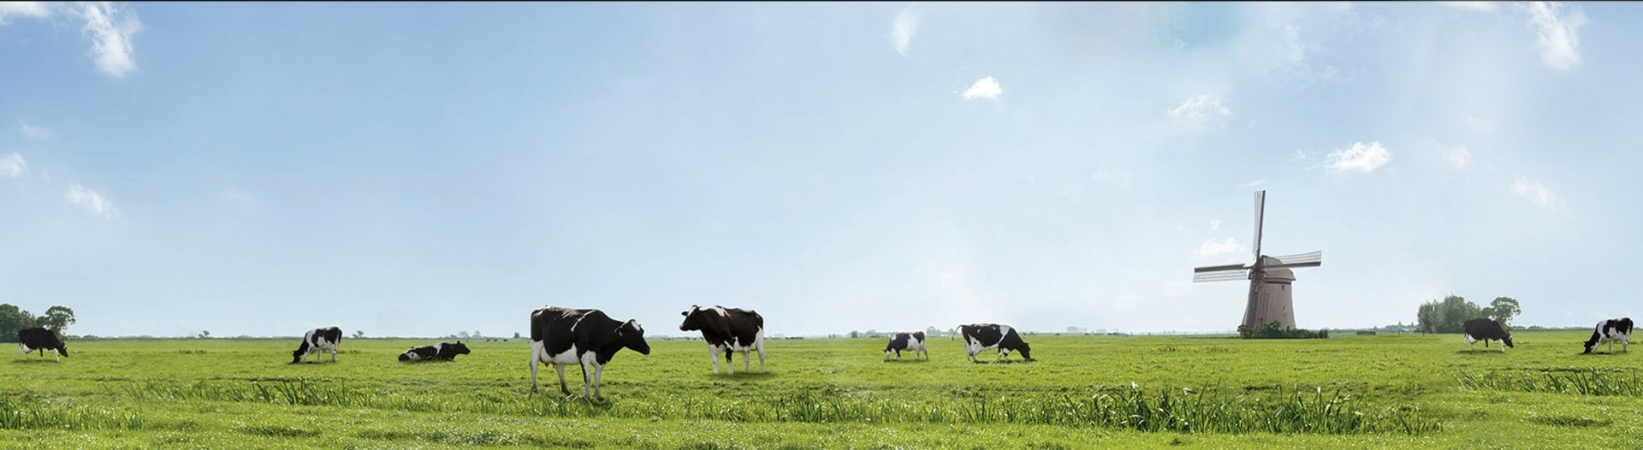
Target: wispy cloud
[
  {"x": 1214, "y": 225},
  {"x": 13, "y": 165},
  {"x": 1479, "y": 123},
  {"x": 987, "y": 88},
  {"x": 1361, "y": 157},
  {"x": 92, "y": 201},
  {"x": 34, "y": 10},
  {"x": 34, "y": 132},
  {"x": 110, "y": 27},
  {"x": 1558, "y": 25},
  {"x": 903, "y": 29},
  {"x": 1471, "y": 6},
  {"x": 1536, "y": 192},
  {"x": 1213, "y": 249},
  {"x": 1457, "y": 156},
  {"x": 1256, "y": 182},
  {"x": 1200, "y": 108}
]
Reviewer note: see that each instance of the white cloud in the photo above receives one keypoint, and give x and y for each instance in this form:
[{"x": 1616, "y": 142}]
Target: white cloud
[
  {"x": 92, "y": 201},
  {"x": 33, "y": 132},
  {"x": 110, "y": 27},
  {"x": 1457, "y": 156},
  {"x": 35, "y": 10},
  {"x": 1200, "y": 108},
  {"x": 1479, "y": 123},
  {"x": 1212, "y": 248},
  {"x": 987, "y": 88},
  {"x": 13, "y": 165},
  {"x": 1471, "y": 6},
  {"x": 1361, "y": 157},
  {"x": 1214, "y": 225},
  {"x": 1559, "y": 43},
  {"x": 903, "y": 29},
  {"x": 1536, "y": 192}
]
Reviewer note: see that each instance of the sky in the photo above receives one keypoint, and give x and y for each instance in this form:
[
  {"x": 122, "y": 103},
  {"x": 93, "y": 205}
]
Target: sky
[{"x": 420, "y": 169}]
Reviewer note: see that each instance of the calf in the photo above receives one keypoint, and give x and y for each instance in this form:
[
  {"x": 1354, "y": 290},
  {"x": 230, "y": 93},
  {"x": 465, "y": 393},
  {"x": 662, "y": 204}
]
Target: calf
[
  {"x": 981, "y": 336},
  {"x": 1609, "y": 331},
  {"x": 1486, "y": 330},
  {"x": 586, "y": 337},
  {"x": 441, "y": 352},
  {"x": 913, "y": 342},
  {"x": 727, "y": 330},
  {"x": 318, "y": 339},
  {"x": 40, "y": 339}
]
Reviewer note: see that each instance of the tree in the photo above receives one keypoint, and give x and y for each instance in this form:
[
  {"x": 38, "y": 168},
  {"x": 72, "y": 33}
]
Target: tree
[
  {"x": 1502, "y": 310},
  {"x": 57, "y": 318},
  {"x": 12, "y": 320},
  {"x": 359, "y": 334},
  {"x": 516, "y": 335},
  {"x": 1447, "y": 316},
  {"x": 205, "y": 334}
]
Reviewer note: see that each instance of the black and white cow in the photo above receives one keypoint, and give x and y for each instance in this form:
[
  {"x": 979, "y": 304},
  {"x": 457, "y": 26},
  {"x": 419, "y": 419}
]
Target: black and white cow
[
  {"x": 316, "y": 340},
  {"x": 40, "y": 339},
  {"x": 1609, "y": 331},
  {"x": 442, "y": 351},
  {"x": 585, "y": 337},
  {"x": 981, "y": 336},
  {"x": 727, "y": 330},
  {"x": 913, "y": 342},
  {"x": 1486, "y": 330}
]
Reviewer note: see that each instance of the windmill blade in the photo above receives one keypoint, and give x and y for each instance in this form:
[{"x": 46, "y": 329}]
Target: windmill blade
[
  {"x": 1287, "y": 266},
  {"x": 1260, "y": 213},
  {"x": 1317, "y": 256},
  {"x": 1219, "y": 268},
  {"x": 1226, "y": 275}
]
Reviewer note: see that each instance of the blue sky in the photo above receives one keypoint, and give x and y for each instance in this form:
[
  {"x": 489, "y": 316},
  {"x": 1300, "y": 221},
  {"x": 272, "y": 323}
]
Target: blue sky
[{"x": 423, "y": 169}]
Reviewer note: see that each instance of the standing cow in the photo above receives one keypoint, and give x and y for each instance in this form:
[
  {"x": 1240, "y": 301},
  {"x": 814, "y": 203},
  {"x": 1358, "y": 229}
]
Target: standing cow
[
  {"x": 981, "y": 336},
  {"x": 40, "y": 339},
  {"x": 316, "y": 340},
  {"x": 727, "y": 330},
  {"x": 1609, "y": 331},
  {"x": 438, "y": 352},
  {"x": 913, "y": 342},
  {"x": 585, "y": 337},
  {"x": 1486, "y": 330}
]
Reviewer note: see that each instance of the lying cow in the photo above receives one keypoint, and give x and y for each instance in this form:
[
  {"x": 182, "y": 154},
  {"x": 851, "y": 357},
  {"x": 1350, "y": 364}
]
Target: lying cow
[
  {"x": 913, "y": 342},
  {"x": 1486, "y": 330},
  {"x": 40, "y": 339},
  {"x": 440, "y": 352},
  {"x": 1609, "y": 331},
  {"x": 982, "y": 336},
  {"x": 316, "y": 340},
  {"x": 585, "y": 337},
  {"x": 727, "y": 330}
]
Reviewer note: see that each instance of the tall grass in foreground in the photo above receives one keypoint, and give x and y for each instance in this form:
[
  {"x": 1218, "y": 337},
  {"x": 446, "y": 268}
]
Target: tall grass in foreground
[
  {"x": 1126, "y": 408},
  {"x": 23, "y": 414},
  {"x": 1575, "y": 381}
]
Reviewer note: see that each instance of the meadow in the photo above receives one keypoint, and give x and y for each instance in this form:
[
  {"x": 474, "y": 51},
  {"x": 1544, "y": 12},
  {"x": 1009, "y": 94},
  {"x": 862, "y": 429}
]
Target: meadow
[{"x": 1389, "y": 391}]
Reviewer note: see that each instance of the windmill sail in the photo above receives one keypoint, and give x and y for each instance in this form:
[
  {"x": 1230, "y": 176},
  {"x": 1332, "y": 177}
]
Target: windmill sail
[{"x": 1260, "y": 213}]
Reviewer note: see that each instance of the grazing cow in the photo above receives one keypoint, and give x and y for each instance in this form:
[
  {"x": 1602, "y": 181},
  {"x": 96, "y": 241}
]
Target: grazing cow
[
  {"x": 1609, "y": 331},
  {"x": 586, "y": 337},
  {"x": 40, "y": 339},
  {"x": 913, "y": 342},
  {"x": 441, "y": 351},
  {"x": 1486, "y": 330},
  {"x": 981, "y": 336},
  {"x": 727, "y": 330},
  {"x": 318, "y": 339}
]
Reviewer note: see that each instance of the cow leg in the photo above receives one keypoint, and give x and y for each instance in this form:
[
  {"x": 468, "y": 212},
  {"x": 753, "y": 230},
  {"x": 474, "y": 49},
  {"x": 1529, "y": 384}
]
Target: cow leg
[
  {"x": 333, "y": 354},
  {"x": 587, "y": 378},
  {"x": 730, "y": 361},
  {"x": 747, "y": 363},
  {"x": 598, "y": 372},
  {"x": 713, "y": 354},
  {"x": 886, "y": 355},
  {"x": 761, "y": 356},
  {"x": 534, "y": 362},
  {"x": 561, "y": 369}
]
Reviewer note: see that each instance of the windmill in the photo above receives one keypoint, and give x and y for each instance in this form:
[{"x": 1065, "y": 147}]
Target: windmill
[{"x": 1270, "y": 292}]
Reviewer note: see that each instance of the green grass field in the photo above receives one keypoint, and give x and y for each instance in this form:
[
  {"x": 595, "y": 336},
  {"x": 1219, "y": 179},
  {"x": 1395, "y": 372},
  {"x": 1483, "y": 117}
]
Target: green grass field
[{"x": 1197, "y": 392}]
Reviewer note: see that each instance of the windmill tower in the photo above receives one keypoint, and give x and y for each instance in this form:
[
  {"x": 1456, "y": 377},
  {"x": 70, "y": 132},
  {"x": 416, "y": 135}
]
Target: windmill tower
[{"x": 1271, "y": 283}]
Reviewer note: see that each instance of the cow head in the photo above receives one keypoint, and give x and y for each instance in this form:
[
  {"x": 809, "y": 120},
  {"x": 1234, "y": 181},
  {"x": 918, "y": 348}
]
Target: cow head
[
  {"x": 1026, "y": 351},
  {"x": 460, "y": 348},
  {"x": 693, "y": 319},
  {"x": 296, "y": 355},
  {"x": 1507, "y": 338},
  {"x": 633, "y": 337}
]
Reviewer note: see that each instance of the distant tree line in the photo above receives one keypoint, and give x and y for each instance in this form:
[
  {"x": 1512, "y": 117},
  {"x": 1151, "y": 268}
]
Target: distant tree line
[
  {"x": 14, "y": 319},
  {"x": 1450, "y": 314}
]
